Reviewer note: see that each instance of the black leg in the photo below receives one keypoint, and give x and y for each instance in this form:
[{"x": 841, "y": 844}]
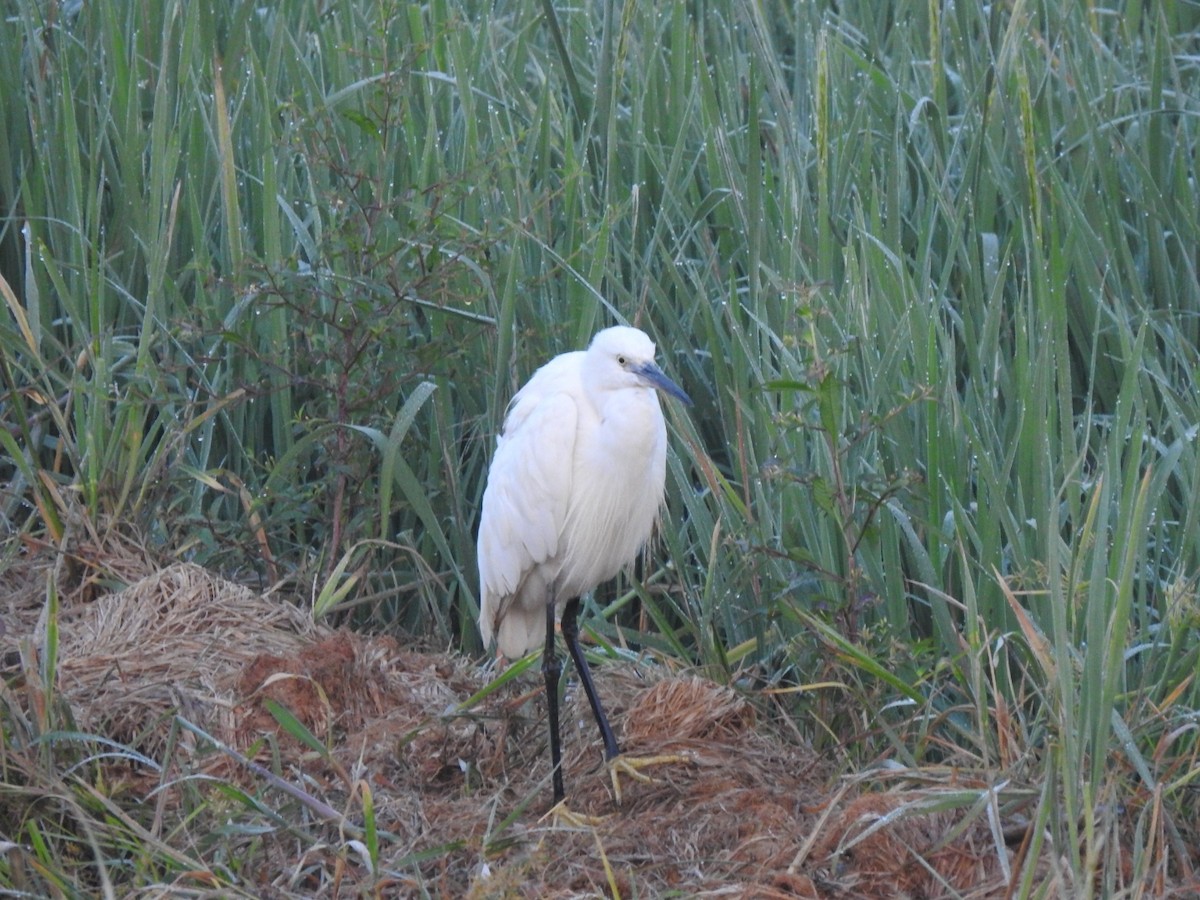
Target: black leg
[
  {"x": 551, "y": 671},
  {"x": 570, "y": 630}
]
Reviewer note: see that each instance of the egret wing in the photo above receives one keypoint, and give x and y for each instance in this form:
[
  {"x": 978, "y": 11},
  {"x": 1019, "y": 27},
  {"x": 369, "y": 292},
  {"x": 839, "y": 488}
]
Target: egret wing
[{"x": 526, "y": 499}]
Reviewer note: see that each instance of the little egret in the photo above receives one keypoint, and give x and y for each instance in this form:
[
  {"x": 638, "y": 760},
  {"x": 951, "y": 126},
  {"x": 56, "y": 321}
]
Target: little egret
[{"x": 573, "y": 494}]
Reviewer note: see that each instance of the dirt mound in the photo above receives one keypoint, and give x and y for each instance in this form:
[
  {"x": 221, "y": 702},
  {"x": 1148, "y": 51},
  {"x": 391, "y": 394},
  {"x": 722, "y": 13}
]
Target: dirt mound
[
  {"x": 170, "y": 642},
  {"x": 456, "y": 767}
]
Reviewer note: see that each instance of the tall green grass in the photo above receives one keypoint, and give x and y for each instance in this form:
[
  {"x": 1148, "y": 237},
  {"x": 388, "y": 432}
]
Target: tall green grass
[{"x": 928, "y": 270}]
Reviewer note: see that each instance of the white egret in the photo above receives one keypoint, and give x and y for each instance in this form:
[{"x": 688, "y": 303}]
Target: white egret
[{"x": 573, "y": 494}]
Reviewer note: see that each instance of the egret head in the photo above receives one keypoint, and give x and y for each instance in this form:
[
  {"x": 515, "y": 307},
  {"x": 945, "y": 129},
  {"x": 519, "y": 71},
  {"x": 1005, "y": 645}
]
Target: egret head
[{"x": 623, "y": 357}]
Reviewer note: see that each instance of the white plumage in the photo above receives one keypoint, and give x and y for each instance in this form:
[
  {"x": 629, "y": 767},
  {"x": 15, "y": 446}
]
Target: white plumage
[{"x": 575, "y": 486}]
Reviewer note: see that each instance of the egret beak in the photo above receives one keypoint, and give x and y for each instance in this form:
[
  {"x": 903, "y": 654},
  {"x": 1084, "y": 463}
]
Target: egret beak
[{"x": 658, "y": 379}]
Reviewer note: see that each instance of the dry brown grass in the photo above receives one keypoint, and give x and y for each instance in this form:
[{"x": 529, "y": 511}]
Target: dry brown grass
[{"x": 752, "y": 814}]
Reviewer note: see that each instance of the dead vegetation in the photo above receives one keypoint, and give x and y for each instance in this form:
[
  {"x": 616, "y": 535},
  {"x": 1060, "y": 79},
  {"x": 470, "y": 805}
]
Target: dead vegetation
[{"x": 458, "y": 789}]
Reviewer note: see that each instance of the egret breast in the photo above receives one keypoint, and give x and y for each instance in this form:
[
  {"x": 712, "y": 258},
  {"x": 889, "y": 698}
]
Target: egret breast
[{"x": 617, "y": 490}]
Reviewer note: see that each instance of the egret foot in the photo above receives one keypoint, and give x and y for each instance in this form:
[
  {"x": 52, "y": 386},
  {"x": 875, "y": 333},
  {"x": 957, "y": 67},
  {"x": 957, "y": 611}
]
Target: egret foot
[
  {"x": 561, "y": 816},
  {"x": 633, "y": 765}
]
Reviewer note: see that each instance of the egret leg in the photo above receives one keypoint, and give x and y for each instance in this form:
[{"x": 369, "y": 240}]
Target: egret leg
[
  {"x": 552, "y": 669},
  {"x": 617, "y": 764},
  {"x": 552, "y": 672},
  {"x": 570, "y": 630}
]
